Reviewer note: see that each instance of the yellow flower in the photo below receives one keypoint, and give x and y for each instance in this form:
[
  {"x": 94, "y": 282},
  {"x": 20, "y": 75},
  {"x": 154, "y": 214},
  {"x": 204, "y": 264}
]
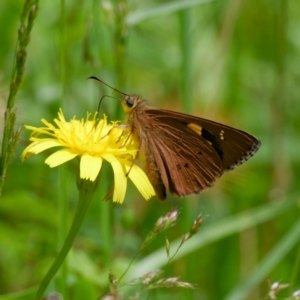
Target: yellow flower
[{"x": 93, "y": 141}]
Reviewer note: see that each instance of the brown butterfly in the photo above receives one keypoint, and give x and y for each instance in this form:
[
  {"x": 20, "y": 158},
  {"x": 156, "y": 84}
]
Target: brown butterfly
[{"x": 184, "y": 154}]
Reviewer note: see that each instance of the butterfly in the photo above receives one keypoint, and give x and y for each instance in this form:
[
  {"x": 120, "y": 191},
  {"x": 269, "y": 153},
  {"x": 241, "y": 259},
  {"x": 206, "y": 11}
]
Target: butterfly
[{"x": 184, "y": 154}]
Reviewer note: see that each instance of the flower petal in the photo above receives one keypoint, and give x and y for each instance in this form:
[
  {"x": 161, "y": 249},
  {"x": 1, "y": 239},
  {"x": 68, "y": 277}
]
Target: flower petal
[
  {"x": 40, "y": 146},
  {"x": 119, "y": 178},
  {"x": 140, "y": 180},
  {"x": 37, "y": 147},
  {"x": 90, "y": 167},
  {"x": 59, "y": 157}
]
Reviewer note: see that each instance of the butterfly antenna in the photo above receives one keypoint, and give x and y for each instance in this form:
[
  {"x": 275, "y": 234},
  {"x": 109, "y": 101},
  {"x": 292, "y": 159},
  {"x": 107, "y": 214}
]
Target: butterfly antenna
[
  {"x": 103, "y": 98},
  {"x": 114, "y": 89}
]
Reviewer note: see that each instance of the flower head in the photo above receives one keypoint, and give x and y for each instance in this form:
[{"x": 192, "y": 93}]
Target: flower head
[{"x": 93, "y": 141}]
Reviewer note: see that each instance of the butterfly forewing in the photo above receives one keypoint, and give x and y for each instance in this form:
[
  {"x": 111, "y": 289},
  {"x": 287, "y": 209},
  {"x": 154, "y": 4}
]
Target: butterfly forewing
[
  {"x": 186, "y": 154},
  {"x": 234, "y": 146}
]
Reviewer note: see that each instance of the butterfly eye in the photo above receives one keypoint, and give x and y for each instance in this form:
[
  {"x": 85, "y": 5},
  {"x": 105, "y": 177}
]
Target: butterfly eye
[{"x": 130, "y": 102}]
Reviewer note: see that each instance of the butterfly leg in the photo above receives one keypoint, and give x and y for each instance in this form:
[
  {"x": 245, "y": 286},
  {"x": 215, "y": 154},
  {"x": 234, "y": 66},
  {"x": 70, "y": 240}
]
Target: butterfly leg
[
  {"x": 119, "y": 126},
  {"x": 126, "y": 128},
  {"x": 136, "y": 156}
]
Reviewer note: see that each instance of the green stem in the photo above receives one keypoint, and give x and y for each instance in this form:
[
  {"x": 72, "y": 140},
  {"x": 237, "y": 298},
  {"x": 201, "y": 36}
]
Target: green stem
[
  {"x": 120, "y": 35},
  {"x": 10, "y": 138},
  {"x": 106, "y": 231},
  {"x": 63, "y": 227},
  {"x": 186, "y": 54},
  {"x": 186, "y": 85},
  {"x": 86, "y": 193}
]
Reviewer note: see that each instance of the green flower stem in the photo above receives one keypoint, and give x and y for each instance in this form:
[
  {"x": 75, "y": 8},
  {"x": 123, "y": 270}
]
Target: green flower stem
[
  {"x": 63, "y": 227},
  {"x": 86, "y": 192}
]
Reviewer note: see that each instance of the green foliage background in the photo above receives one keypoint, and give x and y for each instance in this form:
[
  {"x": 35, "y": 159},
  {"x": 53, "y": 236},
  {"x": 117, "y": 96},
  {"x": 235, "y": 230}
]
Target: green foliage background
[{"x": 235, "y": 62}]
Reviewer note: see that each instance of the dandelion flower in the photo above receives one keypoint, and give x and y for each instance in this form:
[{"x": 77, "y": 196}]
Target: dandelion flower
[{"x": 92, "y": 141}]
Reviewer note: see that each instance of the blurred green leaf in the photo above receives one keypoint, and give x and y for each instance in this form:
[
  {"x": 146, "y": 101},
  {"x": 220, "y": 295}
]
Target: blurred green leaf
[
  {"x": 23, "y": 295},
  {"x": 263, "y": 268},
  {"x": 211, "y": 233},
  {"x": 139, "y": 16}
]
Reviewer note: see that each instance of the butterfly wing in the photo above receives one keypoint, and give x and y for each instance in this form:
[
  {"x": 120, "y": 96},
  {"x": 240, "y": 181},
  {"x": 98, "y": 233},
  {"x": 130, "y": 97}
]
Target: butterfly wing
[
  {"x": 233, "y": 146},
  {"x": 186, "y": 154}
]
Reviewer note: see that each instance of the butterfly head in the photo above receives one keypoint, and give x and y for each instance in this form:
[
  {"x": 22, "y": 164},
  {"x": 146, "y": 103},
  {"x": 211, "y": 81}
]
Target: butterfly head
[{"x": 130, "y": 102}]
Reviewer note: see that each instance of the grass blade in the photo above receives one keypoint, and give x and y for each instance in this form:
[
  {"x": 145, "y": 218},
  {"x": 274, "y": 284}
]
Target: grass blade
[
  {"x": 214, "y": 232},
  {"x": 162, "y": 9},
  {"x": 242, "y": 290}
]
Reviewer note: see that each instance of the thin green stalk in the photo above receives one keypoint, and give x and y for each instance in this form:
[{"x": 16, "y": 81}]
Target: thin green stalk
[
  {"x": 186, "y": 88},
  {"x": 86, "y": 194},
  {"x": 280, "y": 101},
  {"x": 186, "y": 54},
  {"x": 62, "y": 199},
  {"x": 120, "y": 9},
  {"x": 105, "y": 209},
  {"x": 106, "y": 231},
  {"x": 295, "y": 274},
  {"x": 11, "y": 137},
  {"x": 62, "y": 61},
  {"x": 62, "y": 228}
]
